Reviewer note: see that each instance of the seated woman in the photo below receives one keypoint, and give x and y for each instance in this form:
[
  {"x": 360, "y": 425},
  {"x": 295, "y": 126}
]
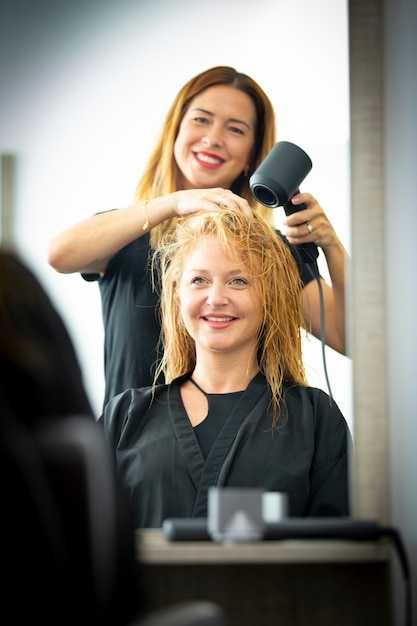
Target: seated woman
[{"x": 236, "y": 409}]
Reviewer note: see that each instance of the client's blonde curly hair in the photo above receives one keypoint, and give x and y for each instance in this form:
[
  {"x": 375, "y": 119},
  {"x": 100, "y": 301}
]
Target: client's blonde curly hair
[{"x": 278, "y": 285}]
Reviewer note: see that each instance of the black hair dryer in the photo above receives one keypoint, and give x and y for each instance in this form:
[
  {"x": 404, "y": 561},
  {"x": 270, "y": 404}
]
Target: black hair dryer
[
  {"x": 277, "y": 180},
  {"x": 280, "y": 174}
]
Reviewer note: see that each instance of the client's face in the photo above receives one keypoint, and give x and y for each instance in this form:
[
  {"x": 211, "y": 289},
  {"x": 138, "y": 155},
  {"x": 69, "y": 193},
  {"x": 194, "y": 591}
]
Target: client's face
[{"x": 218, "y": 301}]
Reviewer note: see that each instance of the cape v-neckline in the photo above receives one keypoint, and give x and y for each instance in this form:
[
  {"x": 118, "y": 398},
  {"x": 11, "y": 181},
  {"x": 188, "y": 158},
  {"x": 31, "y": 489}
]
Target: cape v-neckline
[{"x": 207, "y": 395}]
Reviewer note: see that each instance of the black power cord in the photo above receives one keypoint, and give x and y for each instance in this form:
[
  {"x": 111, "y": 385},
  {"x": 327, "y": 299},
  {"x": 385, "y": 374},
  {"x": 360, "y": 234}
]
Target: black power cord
[
  {"x": 308, "y": 253},
  {"x": 323, "y": 334}
]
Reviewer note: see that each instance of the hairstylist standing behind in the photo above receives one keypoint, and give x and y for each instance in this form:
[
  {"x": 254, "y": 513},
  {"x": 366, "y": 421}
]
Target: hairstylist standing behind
[{"x": 218, "y": 130}]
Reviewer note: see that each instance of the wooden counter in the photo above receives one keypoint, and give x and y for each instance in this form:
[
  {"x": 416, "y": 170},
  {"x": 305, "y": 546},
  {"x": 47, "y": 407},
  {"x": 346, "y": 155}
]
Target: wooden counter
[{"x": 273, "y": 583}]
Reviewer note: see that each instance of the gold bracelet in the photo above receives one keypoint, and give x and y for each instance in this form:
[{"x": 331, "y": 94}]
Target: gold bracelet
[{"x": 146, "y": 223}]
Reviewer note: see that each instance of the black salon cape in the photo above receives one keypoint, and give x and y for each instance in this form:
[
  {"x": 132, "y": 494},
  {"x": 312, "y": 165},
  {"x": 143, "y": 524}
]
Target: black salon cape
[
  {"x": 130, "y": 315},
  {"x": 165, "y": 475}
]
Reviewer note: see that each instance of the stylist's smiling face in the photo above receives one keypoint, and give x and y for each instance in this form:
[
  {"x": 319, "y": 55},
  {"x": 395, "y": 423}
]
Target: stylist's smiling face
[
  {"x": 218, "y": 301},
  {"x": 215, "y": 138}
]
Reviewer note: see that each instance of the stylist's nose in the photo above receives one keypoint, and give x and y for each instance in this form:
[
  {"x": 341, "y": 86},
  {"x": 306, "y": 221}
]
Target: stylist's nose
[
  {"x": 212, "y": 137},
  {"x": 217, "y": 296}
]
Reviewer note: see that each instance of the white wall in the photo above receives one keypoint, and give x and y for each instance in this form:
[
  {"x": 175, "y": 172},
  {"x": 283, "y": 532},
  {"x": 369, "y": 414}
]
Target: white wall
[{"x": 84, "y": 86}]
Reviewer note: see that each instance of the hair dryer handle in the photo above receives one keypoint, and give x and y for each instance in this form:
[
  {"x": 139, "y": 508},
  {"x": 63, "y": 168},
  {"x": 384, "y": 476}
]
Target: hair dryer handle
[{"x": 308, "y": 252}]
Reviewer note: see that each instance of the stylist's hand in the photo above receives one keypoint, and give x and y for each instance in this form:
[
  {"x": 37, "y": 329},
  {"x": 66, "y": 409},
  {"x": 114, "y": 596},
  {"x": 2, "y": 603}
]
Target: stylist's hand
[
  {"x": 194, "y": 200},
  {"x": 310, "y": 224}
]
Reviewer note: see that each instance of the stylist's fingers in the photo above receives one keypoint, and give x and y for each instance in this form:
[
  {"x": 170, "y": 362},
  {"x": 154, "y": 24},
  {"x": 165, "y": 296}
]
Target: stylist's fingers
[
  {"x": 309, "y": 224},
  {"x": 226, "y": 199},
  {"x": 194, "y": 200}
]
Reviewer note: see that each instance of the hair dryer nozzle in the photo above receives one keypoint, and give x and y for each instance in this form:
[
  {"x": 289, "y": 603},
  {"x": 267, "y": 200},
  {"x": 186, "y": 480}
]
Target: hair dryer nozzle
[{"x": 278, "y": 177}]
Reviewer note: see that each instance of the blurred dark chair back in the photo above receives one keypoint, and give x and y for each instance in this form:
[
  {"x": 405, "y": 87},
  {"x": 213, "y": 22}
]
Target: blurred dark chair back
[{"x": 68, "y": 542}]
